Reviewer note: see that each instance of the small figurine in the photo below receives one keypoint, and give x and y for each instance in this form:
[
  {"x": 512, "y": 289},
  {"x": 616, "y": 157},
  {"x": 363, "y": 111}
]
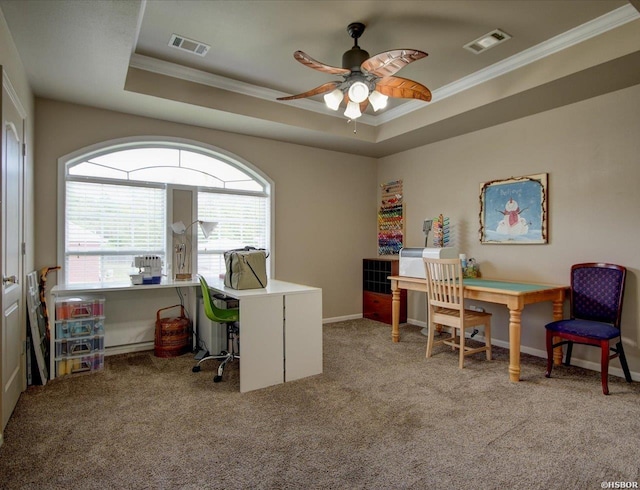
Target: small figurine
[{"x": 471, "y": 270}]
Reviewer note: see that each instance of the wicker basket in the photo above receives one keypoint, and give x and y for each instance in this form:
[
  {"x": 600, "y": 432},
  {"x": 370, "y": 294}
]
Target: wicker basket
[{"x": 173, "y": 335}]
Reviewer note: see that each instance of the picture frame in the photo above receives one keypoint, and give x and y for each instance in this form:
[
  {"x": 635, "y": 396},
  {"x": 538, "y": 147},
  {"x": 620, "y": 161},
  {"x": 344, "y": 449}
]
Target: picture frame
[{"x": 514, "y": 210}]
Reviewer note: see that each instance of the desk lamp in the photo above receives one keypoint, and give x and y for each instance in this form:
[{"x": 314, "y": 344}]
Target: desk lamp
[{"x": 183, "y": 266}]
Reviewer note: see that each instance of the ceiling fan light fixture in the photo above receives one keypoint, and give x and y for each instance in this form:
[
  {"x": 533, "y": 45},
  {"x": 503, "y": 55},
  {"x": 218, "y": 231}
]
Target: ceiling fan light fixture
[
  {"x": 358, "y": 92},
  {"x": 378, "y": 100},
  {"x": 361, "y": 75},
  {"x": 333, "y": 99},
  {"x": 353, "y": 110}
]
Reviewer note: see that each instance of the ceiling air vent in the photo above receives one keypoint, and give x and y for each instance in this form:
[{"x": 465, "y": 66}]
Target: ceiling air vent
[
  {"x": 185, "y": 44},
  {"x": 487, "y": 41}
]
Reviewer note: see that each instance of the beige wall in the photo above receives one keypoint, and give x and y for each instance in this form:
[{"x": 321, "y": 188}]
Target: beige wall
[
  {"x": 324, "y": 200},
  {"x": 591, "y": 152}
]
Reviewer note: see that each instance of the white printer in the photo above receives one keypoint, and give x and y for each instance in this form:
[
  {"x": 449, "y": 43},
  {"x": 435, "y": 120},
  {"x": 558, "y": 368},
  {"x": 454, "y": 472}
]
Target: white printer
[{"x": 412, "y": 265}]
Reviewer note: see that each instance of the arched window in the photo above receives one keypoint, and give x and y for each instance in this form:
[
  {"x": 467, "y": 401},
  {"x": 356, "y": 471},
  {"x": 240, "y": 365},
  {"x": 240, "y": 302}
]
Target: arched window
[{"x": 117, "y": 204}]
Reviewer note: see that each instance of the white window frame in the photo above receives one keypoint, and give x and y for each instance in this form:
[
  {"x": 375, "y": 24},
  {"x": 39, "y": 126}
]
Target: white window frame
[{"x": 169, "y": 142}]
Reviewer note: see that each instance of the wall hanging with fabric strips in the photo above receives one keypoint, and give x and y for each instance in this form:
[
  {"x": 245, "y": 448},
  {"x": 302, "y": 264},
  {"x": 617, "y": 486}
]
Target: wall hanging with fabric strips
[{"x": 391, "y": 219}]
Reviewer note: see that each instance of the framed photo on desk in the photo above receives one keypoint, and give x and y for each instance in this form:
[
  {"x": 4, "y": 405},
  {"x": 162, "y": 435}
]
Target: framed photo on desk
[{"x": 514, "y": 210}]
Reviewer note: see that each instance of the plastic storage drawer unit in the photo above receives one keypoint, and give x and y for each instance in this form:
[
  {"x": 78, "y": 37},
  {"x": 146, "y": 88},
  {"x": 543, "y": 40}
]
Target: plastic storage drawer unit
[
  {"x": 78, "y": 340},
  {"x": 71, "y": 308},
  {"x": 80, "y": 364},
  {"x": 79, "y": 346},
  {"x": 66, "y": 329}
]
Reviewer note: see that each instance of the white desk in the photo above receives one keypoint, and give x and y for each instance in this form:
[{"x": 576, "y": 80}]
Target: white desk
[
  {"x": 280, "y": 332},
  {"x": 280, "y": 325}
]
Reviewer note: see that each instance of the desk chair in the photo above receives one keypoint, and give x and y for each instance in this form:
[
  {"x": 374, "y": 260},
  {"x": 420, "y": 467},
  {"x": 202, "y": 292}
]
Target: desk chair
[
  {"x": 230, "y": 318},
  {"x": 596, "y": 309},
  {"x": 446, "y": 307}
]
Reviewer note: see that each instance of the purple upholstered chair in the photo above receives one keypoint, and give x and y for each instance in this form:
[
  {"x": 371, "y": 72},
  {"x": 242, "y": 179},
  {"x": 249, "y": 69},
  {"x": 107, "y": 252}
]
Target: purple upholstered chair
[{"x": 596, "y": 308}]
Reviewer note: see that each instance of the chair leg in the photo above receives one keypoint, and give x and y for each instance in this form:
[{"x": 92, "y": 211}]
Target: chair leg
[
  {"x": 487, "y": 339},
  {"x": 604, "y": 365},
  {"x": 549, "y": 353},
  {"x": 462, "y": 339},
  {"x": 623, "y": 361},
  {"x": 217, "y": 378},
  {"x": 567, "y": 359},
  {"x": 430, "y": 339}
]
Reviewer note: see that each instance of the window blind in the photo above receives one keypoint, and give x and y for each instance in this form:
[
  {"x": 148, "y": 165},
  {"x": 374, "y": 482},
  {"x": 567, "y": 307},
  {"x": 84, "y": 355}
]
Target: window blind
[
  {"x": 107, "y": 225},
  {"x": 242, "y": 221}
]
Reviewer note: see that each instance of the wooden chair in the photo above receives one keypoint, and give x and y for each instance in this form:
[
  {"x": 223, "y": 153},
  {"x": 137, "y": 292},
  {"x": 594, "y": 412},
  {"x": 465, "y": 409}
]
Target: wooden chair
[
  {"x": 446, "y": 307},
  {"x": 596, "y": 309}
]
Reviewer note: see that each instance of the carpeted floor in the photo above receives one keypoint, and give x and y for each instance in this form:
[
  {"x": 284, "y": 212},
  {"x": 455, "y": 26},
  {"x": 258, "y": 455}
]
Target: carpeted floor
[{"x": 381, "y": 416}]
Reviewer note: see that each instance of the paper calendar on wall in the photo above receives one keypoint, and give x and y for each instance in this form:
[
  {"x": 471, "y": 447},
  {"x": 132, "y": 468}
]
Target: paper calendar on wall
[{"x": 391, "y": 219}]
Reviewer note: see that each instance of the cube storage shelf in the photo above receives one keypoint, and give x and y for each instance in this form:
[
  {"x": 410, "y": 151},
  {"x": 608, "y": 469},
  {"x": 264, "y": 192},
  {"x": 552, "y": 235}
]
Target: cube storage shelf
[
  {"x": 376, "y": 294},
  {"x": 79, "y": 335}
]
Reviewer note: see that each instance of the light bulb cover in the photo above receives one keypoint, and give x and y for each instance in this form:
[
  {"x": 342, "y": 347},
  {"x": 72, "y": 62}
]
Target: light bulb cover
[
  {"x": 207, "y": 227},
  {"x": 333, "y": 99},
  {"x": 178, "y": 228},
  {"x": 378, "y": 100},
  {"x": 358, "y": 92},
  {"x": 353, "y": 110}
]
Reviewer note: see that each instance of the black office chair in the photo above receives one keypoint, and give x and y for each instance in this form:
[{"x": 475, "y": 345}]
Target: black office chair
[
  {"x": 230, "y": 318},
  {"x": 596, "y": 309}
]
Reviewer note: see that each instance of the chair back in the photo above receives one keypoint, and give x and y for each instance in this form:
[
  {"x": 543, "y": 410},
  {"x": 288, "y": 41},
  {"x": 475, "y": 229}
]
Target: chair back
[
  {"x": 444, "y": 284},
  {"x": 211, "y": 310},
  {"x": 597, "y": 291}
]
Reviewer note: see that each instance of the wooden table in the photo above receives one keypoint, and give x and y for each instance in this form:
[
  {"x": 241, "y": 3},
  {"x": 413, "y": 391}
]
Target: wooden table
[{"x": 514, "y": 295}]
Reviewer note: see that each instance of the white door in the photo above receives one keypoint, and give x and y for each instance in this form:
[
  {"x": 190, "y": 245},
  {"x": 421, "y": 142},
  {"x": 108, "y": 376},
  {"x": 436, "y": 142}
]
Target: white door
[{"x": 12, "y": 325}]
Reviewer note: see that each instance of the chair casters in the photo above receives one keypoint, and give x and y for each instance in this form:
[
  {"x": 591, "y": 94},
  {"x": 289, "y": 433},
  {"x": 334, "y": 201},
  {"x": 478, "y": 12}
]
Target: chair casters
[
  {"x": 195, "y": 369},
  {"x": 217, "y": 378}
]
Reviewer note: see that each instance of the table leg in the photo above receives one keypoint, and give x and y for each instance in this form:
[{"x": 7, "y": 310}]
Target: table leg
[
  {"x": 557, "y": 315},
  {"x": 395, "y": 312},
  {"x": 515, "y": 316}
]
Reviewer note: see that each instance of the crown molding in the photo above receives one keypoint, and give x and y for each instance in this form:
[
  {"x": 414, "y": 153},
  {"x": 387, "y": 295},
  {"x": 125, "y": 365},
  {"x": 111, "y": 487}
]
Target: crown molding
[
  {"x": 175, "y": 70},
  {"x": 588, "y": 30},
  {"x": 595, "y": 27}
]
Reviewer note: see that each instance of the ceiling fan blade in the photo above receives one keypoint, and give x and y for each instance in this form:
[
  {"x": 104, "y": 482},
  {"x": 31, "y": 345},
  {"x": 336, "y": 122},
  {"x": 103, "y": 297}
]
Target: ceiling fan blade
[
  {"x": 403, "y": 88},
  {"x": 307, "y": 60},
  {"x": 388, "y": 63},
  {"x": 322, "y": 89}
]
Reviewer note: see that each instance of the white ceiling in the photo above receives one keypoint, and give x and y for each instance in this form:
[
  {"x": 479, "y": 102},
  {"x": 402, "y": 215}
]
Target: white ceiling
[{"x": 114, "y": 54}]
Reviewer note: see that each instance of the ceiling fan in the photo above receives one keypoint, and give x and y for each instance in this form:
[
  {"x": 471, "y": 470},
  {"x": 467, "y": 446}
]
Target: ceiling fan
[{"x": 366, "y": 79}]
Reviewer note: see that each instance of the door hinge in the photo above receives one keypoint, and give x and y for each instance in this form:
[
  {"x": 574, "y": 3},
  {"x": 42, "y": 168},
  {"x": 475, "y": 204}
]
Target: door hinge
[
  {"x": 24, "y": 149},
  {"x": 24, "y": 248}
]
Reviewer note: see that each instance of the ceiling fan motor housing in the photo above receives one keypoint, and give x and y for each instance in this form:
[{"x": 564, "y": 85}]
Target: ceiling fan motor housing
[{"x": 352, "y": 59}]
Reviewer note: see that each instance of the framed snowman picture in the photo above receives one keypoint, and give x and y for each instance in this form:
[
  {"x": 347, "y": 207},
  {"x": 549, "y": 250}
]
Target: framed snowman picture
[{"x": 514, "y": 210}]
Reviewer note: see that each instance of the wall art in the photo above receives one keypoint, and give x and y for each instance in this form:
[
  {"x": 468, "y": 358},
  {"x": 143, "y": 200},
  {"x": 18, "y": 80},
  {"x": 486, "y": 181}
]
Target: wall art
[{"x": 514, "y": 210}]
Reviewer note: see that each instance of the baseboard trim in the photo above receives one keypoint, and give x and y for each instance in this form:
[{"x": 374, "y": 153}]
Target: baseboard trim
[
  {"x": 592, "y": 366},
  {"x": 341, "y": 318},
  {"x": 126, "y": 349}
]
